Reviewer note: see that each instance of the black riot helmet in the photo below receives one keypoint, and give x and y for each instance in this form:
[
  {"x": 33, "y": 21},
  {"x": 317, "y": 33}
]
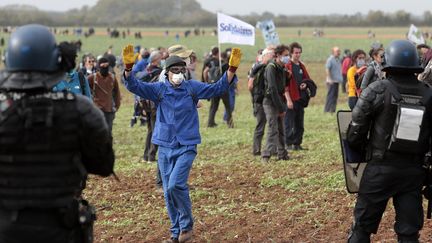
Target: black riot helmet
[
  {"x": 401, "y": 56},
  {"x": 32, "y": 48},
  {"x": 33, "y": 59}
]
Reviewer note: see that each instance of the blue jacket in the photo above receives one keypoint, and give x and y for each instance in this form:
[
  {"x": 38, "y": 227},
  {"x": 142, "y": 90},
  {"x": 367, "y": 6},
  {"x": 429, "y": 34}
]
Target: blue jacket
[
  {"x": 176, "y": 116},
  {"x": 140, "y": 65},
  {"x": 72, "y": 84}
]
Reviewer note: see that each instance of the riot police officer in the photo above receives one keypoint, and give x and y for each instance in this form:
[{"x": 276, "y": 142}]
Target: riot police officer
[
  {"x": 392, "y": 121},
  {"x": 49, "y": 141}
]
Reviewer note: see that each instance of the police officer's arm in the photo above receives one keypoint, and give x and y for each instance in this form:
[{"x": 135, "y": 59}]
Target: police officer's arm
[
  {"x": 361, "y": 117},
  {"x": 370, "y": 71},
  {"x": 270, "y": 77},
  {"x": 95, "y": 140}
]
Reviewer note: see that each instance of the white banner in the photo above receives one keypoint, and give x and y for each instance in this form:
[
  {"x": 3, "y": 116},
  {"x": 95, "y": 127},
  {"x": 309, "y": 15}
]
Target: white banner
[
  {"x": 268, "y": 30},
  {"x": 232, "y": 30},
  {"x": 415, "y": 35}
]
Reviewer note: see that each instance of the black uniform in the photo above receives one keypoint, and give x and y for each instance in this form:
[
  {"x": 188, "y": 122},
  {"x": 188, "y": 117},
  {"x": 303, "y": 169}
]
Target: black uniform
[
  {"x": 49, "y": 141},
  {"x": 389, "y": 174}
]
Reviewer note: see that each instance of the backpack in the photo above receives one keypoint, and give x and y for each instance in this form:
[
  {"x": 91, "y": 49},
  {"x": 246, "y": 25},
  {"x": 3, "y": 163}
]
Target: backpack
[
  {"x": 82, "y": 80},
  {"x": 259, "y": 87},
  {"x": 408, "y": 123},
  {"x": 214, "y": 72},
  {"x": 358, "y": 78}
]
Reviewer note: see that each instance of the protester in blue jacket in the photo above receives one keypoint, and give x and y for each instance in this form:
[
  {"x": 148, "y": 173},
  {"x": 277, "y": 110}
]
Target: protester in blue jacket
[
  {"x": 76, "y": 83},
  {"x": 177, "y": 130}
]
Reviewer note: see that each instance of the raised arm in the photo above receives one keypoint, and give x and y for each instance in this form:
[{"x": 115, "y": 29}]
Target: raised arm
[
  {"x": 145, "y": 90},
  {"x": 206, "y": 91}
]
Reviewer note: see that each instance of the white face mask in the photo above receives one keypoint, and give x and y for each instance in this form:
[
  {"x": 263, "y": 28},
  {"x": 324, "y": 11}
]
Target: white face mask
[
  {"x": 178, "y": 78},
  {"x": 285, "y": 59}
]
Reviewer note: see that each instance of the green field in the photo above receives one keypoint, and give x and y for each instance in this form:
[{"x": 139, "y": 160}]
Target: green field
[{"x": 236, "y": 198}]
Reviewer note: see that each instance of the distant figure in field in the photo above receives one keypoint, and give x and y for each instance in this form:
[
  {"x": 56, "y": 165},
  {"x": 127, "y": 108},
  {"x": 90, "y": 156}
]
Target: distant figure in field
[
  {"x": 346, "y": 64},
  {"x": 333, "y": 79}
]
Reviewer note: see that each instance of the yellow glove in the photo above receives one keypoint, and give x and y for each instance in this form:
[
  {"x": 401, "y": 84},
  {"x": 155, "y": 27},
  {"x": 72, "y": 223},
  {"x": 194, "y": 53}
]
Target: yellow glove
[
  {"x": 234, "y": 60},
  {"x": 129, "y": 57}
]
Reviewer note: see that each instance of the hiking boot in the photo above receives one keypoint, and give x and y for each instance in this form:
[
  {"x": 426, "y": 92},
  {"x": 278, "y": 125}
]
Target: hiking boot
[
  {"x": 212, "y": 125},
  {"x": 265, "y": 159},
  {"x": 230, "y": 123},
  {"x": 286, "y": 157},
  {"x": 142, "y": 122},
  {"x": 256, "y": 153},
  {"x": 298, "y": 147},
  {"x": 172, "y": 240},
  {"x": 133, "y": 122},
  {"x": 185, "y": 236}
]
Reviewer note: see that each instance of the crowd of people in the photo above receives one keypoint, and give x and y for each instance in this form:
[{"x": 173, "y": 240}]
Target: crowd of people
[
  {"x": 355, "y": 72},
  {"x": 167, "y": 99}
]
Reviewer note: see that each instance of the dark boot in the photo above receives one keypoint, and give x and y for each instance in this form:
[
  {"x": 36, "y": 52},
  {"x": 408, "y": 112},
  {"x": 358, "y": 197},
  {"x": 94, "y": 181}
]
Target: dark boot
[
  {"x": 186, "y": 236},
  {"x": 133, "y": 121},
  {"x": 143, "y": 121},
  {"x": 172, "y": 240},
  {"x": 414, "y": 238}
]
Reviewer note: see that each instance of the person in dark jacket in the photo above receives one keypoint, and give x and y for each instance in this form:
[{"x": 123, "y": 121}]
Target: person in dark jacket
[
  {"x": 49, "y": 142},
  {"x": 394, "y": 169},
  {"x": 256, "y": 76},
  {"x": 105, "y": 91},
  {"x": 275, "y": 104},
  {"x": 294, "y": 119},
  {"x": 374, "y": 70}
]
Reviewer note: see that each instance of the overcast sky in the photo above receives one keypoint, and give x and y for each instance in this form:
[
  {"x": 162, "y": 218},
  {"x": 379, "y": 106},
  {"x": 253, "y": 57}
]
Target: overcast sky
[{"x": 288, "y": 7}]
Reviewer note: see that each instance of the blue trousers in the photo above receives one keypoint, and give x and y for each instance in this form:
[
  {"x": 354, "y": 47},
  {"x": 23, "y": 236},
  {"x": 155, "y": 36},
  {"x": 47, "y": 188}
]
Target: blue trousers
[{"x": 175, "y": 165}]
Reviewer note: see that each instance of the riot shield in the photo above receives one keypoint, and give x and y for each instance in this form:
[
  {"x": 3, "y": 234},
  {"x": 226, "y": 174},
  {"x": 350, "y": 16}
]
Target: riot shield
[{"x": 353, "y": 162}]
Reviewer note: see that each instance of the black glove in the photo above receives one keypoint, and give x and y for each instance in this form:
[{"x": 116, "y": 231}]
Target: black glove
[{"x": 68, "y": 53}]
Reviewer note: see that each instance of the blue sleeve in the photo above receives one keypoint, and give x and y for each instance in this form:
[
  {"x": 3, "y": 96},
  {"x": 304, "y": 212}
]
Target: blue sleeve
[
  {"x": 139, "y": 66},
  {"x": 207, "y": 91},
  {"x": 87, "y": 89},
  {"x": 144, "y": 90}
]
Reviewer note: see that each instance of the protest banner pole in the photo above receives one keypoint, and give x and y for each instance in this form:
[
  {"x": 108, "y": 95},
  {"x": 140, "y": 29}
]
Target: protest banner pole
[
  {"x": 220, "y": 56},
  {"x": 219, "y": 46}
]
